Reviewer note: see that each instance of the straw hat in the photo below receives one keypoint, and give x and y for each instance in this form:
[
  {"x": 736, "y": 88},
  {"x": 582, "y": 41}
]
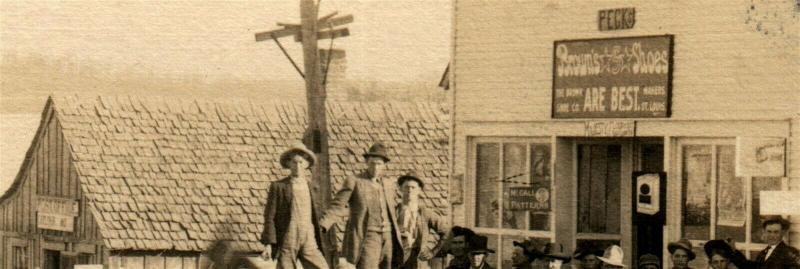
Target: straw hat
[
  {"x": 613, "y": 256},
  {"x": 297, "y": 149}
]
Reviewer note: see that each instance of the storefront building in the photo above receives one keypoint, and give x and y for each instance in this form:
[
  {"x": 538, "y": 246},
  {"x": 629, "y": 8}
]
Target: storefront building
[{"x": 634, "y": 123}]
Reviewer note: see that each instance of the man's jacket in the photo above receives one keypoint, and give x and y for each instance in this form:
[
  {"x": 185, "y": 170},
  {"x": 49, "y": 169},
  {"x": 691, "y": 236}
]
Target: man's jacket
[
  {"x": 278, "y": 213},
  {"x": 783, "y": 256}
]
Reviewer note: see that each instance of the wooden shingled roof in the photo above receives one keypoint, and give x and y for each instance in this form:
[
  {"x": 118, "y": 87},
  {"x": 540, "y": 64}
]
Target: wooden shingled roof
[{"x": 180, "y": 174}]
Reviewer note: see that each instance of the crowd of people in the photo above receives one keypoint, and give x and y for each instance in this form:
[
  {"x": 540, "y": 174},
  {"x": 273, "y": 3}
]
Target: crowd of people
[{"x": 381, "y": 233}]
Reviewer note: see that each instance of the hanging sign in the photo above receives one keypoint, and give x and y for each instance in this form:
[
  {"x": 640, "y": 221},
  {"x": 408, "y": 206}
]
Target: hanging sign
[
  {"x": 627, "y": 77},
  {"x": 760, "y": 156},
  {"x": 54, "y": 213},
  {"x": 648, "y": 193}
]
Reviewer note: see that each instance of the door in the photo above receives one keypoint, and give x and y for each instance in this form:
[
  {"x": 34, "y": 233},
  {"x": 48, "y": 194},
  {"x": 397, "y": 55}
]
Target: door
[
  {"x": 52, "y": 259},
  {"x": 649, "y": 229},
  {"x": 600, "y": 180}
]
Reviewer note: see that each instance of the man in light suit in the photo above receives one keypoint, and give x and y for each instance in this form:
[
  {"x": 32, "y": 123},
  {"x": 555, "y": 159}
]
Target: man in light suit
[
  {"x": 777, "y": 254},
  {"x": 371, "y": 236},
  {"x": 290, "y": 217},
  {"x": 415, "y": 222}
]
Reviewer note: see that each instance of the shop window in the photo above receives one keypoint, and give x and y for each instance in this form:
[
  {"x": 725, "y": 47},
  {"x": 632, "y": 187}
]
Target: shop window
[
  {"x": 506, "y": 170},
  {"x": 716, "y": 203},
  {"x": 19, "y": 257}
]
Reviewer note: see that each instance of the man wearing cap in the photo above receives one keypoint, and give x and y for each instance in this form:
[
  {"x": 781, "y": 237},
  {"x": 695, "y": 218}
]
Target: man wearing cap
[
  {"x": 478, "y": 252},
  {"x": 777, "y": 254},
  {"x": 290, "y": 223},
  {"x": 371, "y": 237},
  {"x": 681, "y": 253},
  {"x": 458, "y": 247},
  {"x": 415, "y": 222},
  {"x": 649, "y": 261},
  {"x": 612, "y": 257}
]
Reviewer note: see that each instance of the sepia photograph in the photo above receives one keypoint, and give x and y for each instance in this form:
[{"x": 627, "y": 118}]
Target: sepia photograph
[{"x": 406, "y": 134}]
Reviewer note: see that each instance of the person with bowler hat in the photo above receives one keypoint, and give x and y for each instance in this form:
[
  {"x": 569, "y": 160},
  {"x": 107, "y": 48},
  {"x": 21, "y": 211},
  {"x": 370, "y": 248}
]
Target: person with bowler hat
[
  {"x": 777, "y": 254},
  {"x": 415, "y": 222},
  {"x": 681, "y": 253},
  {"x": 372, "y": 238},
  {"x": 290, "y": 230}
]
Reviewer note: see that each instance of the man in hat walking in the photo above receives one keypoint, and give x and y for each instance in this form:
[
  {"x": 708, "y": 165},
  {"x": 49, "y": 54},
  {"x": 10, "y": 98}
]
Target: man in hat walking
[
  {"x": 371, "y": 237},
  {"x": 290, "y": 223},
  {"x": 415, "y": 222},
  {"x": 777, "y": 254}
]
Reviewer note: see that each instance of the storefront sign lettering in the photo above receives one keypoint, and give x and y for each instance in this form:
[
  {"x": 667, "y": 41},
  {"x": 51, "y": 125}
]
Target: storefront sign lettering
[
  {"x": 535, "y": 199},
  {"x": 608, "y": 78},
  {"x": 610, "y": 128},
  {"x": 53, "y": 213},
  {"x": 616, "y": 19},
  {"x": 760, "y": 156}
]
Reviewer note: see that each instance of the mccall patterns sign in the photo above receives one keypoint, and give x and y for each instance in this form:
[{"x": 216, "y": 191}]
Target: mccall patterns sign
[{"x": 628, "y": 77}]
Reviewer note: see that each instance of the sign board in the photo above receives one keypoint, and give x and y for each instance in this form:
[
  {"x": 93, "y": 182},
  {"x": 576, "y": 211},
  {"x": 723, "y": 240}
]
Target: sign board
[
  {"x": 648, "y": 194},
  {"x": 779, "y": 202},
  {"x": 760, "y": 156},
  {"x": 616, "y": 19},
  {"x": 607, "y": 128},
  {"x": 534, "y": 199},
  {"x": 53, "y": 213},
  {"x": 627, "y": 77}
]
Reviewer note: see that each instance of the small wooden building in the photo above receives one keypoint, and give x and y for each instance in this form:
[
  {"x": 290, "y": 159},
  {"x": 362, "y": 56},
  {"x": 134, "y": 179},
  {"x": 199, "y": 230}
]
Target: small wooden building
[{"x": 146, "y": 183}]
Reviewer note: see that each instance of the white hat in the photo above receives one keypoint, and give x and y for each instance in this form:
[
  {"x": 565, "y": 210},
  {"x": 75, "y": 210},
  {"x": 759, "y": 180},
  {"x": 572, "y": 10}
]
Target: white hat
[{"x": 613, "y": 256}]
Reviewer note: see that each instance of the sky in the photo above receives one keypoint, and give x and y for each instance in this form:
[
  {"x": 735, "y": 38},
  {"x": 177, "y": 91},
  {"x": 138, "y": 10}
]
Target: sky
[{"x": 401, "y": 40}]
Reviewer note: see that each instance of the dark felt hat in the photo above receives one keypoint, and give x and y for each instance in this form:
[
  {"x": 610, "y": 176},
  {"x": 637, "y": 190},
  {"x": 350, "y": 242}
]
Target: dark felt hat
[
  {"x": 535, "y": 250},
  {"x": 377, "y": 150},
  {"x": 479, "y": 244},
  {"x": 775, "y": 219},
  {"x": 682, "y": 244},
  {"x": 718, "y": 246},
  {"x": 297, "y": 149},
  {"x": 411, "y": 175},
  {"x": 649, "y": 259}
]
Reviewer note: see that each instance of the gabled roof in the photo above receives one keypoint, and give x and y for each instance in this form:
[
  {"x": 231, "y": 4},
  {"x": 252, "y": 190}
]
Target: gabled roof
[{"x": 180, "y": 174}]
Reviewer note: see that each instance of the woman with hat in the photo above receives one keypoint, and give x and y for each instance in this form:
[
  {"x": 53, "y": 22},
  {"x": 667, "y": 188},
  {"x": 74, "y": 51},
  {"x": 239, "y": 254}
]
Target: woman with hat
[
  {"x": 612, "y": 257},
  {"x": 681, "y": 253},
  {"x": 719, "y": 254},
  {"x": 478, "y": 252}
]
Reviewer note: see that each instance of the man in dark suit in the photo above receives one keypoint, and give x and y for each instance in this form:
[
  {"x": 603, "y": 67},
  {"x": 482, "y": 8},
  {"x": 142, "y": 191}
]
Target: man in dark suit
[
  {"x": 290, "y": 223},
  {"x": 415, "y": 222},
  {"x": 478, "y": 252},
  {"x": 371, "y": 237},
  {"x": 777, "y": 254}
]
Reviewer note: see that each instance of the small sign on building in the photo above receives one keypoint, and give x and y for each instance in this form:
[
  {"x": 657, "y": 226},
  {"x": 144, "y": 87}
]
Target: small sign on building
[
  {"x": 616, "y": 19},
  {"x": 610, "y": 128},
  {"x": 54, "y": 213},
  {"x": 534, "y": 199},
  {"x": 760, "y": 156}
]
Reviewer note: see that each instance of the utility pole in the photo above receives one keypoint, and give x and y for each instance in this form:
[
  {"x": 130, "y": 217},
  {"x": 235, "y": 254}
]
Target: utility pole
[{"x": 316, "y": 134}]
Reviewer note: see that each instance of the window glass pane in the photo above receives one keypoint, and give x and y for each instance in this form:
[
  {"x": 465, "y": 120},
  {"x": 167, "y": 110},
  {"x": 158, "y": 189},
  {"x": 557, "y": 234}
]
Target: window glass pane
[
  {"x": 487, "y": 173},
  {"x": 761, "y": 184},
  {"x": 514, "y": 160},
  {"x": 731, "y": 210},
  {"x": 540, "y": 170},
  {"x": 508, "y": 247},
  {"x": 696, "y": 185},
  {"x": 599, "y": 188}
]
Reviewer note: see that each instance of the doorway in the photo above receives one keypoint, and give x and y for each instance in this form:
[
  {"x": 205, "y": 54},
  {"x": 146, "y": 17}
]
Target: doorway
[
  {"x": 648, "y": 229},
  {"x": 52, "y": 259}
]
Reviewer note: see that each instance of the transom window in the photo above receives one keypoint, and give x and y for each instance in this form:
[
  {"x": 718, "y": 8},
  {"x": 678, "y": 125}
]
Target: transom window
[{"x": 506, "y": 170}]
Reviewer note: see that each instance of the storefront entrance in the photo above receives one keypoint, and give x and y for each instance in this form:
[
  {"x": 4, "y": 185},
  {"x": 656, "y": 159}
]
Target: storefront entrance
[{"x": 606, "y": 194}]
